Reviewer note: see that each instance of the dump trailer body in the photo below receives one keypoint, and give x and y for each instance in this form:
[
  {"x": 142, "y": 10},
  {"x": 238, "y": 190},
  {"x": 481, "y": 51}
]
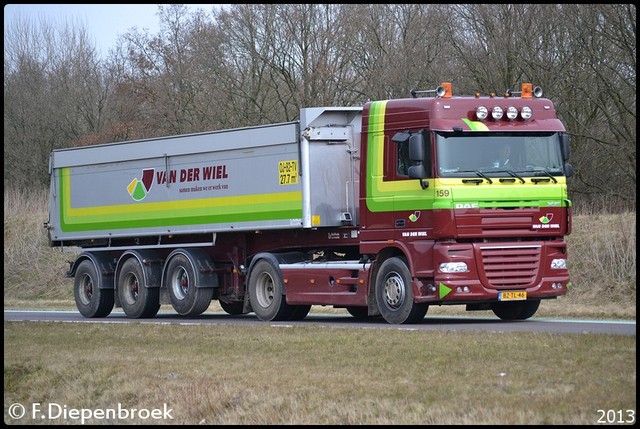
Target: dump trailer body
[{"x": 264, "y": 177}]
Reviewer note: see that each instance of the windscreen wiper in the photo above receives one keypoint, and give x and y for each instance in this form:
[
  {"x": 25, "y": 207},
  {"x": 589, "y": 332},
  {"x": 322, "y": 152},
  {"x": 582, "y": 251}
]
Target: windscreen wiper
[
  {"x": 481, "y": 174},
  {"x": 512, "y": 174},
  {"x": 545, "y": 171},
  {"x": 476, "y": 181}
]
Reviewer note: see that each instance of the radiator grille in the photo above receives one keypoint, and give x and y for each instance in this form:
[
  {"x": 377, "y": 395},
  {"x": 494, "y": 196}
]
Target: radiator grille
[{"x": 511, "y": 266}]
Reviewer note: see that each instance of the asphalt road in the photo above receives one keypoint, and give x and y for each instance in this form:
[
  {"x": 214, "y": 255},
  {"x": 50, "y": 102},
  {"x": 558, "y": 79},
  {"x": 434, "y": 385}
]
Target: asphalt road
[{"x": 430, "y": 323}]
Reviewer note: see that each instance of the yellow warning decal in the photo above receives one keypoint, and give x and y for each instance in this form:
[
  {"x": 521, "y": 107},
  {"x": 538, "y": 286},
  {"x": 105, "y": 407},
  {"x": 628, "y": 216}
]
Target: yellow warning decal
[{"x": 288, "y": 172}]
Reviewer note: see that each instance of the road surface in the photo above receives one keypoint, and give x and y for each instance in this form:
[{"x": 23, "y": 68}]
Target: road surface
[{"x": 432, "y": 323}]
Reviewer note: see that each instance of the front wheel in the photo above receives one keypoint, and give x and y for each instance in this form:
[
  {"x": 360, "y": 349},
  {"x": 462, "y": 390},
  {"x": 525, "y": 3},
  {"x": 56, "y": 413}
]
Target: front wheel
[
  {"x": 394, "y": 293},
  {"x": 91, "y": 300},
  {"x": 517, "y": 310}
]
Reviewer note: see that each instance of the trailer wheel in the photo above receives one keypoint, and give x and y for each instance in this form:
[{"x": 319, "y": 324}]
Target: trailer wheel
[
  {"x": 517, "y": 310},
  {"x": 137, "y": 301},
  {"x": 186, "y": 298},
  {"x": 395, "y": 294},
  {"x": 91, "y": 301},
  {"x": 266, "y": 293}
]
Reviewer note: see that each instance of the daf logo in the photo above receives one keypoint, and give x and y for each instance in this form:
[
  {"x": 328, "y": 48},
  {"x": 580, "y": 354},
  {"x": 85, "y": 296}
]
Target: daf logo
[{"x": 466, "y": 205}]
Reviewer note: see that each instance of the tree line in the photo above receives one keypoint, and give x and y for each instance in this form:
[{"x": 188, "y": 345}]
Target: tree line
[{"x": 254, "y": 64}]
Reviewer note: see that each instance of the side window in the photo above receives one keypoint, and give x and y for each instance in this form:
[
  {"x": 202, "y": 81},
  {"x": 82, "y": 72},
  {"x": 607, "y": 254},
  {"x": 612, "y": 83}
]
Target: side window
[{"x": 403, "y": 159}]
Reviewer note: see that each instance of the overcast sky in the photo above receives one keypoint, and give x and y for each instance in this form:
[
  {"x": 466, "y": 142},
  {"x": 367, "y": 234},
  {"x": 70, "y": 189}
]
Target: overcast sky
[{"x": 104, "y": 22}]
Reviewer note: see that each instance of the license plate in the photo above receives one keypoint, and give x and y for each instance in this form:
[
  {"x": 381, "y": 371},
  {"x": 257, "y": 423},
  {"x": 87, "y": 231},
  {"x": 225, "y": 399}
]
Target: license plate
[{"x": 512, "y": 296}]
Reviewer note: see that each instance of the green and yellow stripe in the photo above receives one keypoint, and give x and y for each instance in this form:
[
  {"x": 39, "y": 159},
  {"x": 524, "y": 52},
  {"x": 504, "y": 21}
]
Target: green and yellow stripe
[{"x": 200, "y": 211}]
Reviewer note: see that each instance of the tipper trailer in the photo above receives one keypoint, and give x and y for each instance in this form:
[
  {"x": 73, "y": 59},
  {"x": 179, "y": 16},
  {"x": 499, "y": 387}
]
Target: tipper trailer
[{"x": 384, "y": 210}]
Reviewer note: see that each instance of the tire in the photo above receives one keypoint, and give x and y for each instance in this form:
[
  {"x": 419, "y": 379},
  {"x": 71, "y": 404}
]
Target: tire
[
  {"x": 137, "y": 301},
  {"x": 359, "y": 312},
  {"x": 517, "y": 310},
  {"x": 299, "y": 312},
  {"x": 186, "y": 298},
  {"x": 232, "y": 308},
  {"x": 266, "y": 295},
  {"x": 91, "y": 300},
  {"x": 394, "y": 293}
]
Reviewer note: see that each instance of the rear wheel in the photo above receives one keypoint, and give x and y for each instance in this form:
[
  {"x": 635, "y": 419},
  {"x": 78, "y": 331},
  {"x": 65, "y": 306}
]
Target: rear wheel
[
  {"x": 266, "y": 293},
  {"x": 91, "y": 300},
  {"x": 137, "y": 301},
  {"x": 517, "y": 310},
  {"x": 186, "y": 298},
  {"x": 394, "y": 293}
]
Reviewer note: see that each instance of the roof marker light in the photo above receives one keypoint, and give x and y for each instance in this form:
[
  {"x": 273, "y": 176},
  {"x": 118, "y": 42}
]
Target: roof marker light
[
  {"x": 448, "y": 93},
  {"x": 529, "y": 91}
]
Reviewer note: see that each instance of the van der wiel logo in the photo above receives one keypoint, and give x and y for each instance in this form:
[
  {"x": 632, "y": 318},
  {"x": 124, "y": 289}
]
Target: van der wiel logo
[
  {"x": 139, "y": 188},
  {"x": 546, "y": 218},
  {"x": 545, "y": 222}
]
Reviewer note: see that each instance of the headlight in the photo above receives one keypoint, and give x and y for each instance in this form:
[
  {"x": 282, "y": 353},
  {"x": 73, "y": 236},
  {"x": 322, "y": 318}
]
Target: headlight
[
  {"x": 526, "y": 113},
  {"x": 453, "y": 267},
  {"x": 559, "y": 264}
]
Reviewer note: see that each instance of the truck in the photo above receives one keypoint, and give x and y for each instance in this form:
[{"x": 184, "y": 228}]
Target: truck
[{"x": 383, "y": 209}]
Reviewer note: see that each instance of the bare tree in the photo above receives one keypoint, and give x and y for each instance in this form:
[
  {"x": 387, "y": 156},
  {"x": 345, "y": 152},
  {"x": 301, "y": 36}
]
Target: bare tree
[
  {"x": 394, "y": 48},
  {"x": 584, "y": 58},
  {"x": 602, "y": 86},
  {"x": 251, "y": 64},
  {"x": 53, "y": 95}
]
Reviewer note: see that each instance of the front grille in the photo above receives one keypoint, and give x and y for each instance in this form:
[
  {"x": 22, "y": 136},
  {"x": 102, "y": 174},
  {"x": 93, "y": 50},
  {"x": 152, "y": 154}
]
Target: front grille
[{"x": 511, "y": 266}]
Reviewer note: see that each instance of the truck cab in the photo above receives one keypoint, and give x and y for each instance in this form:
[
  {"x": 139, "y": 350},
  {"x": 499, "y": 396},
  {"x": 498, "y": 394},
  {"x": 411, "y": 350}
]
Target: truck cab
[{"x": 473, "y": 191}]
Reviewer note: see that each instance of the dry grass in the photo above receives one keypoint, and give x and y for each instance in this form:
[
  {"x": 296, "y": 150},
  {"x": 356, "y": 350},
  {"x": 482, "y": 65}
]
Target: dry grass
[
  {"x": 266, "y": 374},
  {"x": 32, "y": 270},
  {"x": 602, "y": 254}
]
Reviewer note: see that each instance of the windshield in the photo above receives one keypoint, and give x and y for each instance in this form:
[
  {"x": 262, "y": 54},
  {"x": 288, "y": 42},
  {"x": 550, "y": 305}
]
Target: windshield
[{"x": 498, "y": 154}]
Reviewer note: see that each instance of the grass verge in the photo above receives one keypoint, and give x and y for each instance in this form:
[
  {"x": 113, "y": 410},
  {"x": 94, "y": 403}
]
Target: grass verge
[{"x": 311, "y": 375}]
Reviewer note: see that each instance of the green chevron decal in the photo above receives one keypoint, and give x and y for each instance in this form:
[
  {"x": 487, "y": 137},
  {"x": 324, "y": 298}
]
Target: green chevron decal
[{"x": 443, "y": 290}]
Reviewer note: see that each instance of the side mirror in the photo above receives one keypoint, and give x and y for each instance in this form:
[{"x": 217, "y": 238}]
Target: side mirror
[
  {"x": 401, "y": 137},
  {"x": 418, "y": 172},
  {"x": 416, "y": 155},
  {"x": 568, "y": 170},
  {"x": 416, "y": 148}
]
